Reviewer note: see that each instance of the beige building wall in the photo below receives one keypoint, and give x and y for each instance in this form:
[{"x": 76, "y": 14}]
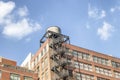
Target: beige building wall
[{"x": 95, "y": 69}]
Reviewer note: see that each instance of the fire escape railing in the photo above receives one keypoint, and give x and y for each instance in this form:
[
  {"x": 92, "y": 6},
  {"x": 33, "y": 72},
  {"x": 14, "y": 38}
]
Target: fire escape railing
[{"x": 58, "y": 55}]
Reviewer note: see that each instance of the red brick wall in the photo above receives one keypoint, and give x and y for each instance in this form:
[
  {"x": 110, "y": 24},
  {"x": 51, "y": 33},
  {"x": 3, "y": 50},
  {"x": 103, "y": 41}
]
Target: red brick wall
[
  {"x": 5, "y": 76},
  {"x": 7, "y": 70},
  {"x": 8, "y": 62}
]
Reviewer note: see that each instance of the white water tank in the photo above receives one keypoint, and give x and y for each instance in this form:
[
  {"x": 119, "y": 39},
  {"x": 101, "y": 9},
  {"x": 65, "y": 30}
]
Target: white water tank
[{"x": 54, "y": 29}]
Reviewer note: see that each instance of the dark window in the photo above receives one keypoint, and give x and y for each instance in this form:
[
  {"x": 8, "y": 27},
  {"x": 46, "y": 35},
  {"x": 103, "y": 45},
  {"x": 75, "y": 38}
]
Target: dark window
[
  {"x": 0, "y": 74},
  {"x": 14, "y": 76},
  {"x": 70, "y": 73},
  {"x": 28, "y": 78}
]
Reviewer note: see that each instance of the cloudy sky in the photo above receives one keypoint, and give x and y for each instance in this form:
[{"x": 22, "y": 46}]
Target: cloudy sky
[{"x": 91, "y": 24}]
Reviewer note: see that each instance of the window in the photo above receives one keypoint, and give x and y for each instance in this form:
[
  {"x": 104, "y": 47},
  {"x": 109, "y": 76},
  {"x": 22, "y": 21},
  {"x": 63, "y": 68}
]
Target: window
[
  {"x": 81, "y": 65},
  {"x": 41, "y": 53},
  {"x": 103, "y": 71},
  {"x": 46, "y": 75},
  {"x": 46, "y": 61},
  {"x": 0, "y": 74},
  {"x": 98, "y": 78},
  {"x": 117, "y": 74},
  {"x": 103, "y": 61},
  {"x": 89, "y": 67},
  {"x": 109, "y": 73},
  {"x": 95, "y": 59},
  {"x": 28, "y": 78},
  {"x": 84, "y": 66},
  {"x": 97, "y": 70},
  {"x": 74, "y": 53},
  {"x": 70, "y": 73},
  {"x": 14, "y": 76},
  {"x": 76, "y": 64},
  {"x": 69, "y": 60},
  {"x": 38, "y": 58},
  {"x": 80, "y": 55},
  {"x": 83, "y": 56},
  {"x": 106, "y": 72},
  {"x": 32, "y": 64},
  {"x": 100, "y": 60},
  {"x": 67, "y": 49},
  {"x": 115, "y": 64},
  {"x": 69, "y": 52},
  {"x": 81, "y": 76},
  {"x": 42, "y": 77},
  {"x": 35, "y": 61},
  {"x": 42, "y": 65},
  {"x": 77, "y": 76},
  {"x": 38, "y": 69},
  {"x": 45, "y": 50}
]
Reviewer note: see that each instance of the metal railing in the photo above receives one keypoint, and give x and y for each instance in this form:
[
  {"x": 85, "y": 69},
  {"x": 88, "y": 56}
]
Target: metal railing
[{"x": 17, "y": 68}]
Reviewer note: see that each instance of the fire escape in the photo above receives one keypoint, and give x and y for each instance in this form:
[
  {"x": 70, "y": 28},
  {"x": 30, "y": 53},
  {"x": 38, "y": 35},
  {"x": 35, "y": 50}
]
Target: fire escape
[{"x": 59, "y": 59}]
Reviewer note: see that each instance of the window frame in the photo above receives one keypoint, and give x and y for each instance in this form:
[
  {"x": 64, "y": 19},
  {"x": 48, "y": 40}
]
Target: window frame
[{"x": 14, "y": 76}]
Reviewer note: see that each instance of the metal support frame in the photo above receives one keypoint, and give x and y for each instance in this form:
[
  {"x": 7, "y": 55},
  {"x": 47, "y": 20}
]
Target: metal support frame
[{"x": 50, "y": 34}]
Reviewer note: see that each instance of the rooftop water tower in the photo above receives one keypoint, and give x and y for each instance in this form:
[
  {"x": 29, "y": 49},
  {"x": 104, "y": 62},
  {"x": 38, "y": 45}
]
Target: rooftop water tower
[{"x": 54, "y": 29}]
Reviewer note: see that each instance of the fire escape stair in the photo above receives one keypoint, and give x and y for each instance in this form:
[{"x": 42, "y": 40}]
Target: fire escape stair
[{"x": 62, "y": 75}]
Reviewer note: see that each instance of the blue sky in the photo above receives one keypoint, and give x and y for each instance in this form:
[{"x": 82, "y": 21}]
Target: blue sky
[{"x": 91, "y": 24}]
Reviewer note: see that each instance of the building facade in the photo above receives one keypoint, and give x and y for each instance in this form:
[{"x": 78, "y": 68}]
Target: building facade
[
  {"x": 10, "y": 71},
  {"x": 88, "y": 64},
  {"x": 26, "y": 63},
  {"x": 58, "y": 60}
]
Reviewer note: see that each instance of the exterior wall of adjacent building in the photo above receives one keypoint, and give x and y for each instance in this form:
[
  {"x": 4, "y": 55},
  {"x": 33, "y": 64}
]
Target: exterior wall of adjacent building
[
  {"x": 26, "y": 63},
  {"x": 41, "y": 62},
  {"x": 9, "y": 71},
  {"x": 92, "y": 65},
  {"x": 88, "y": 64},
  {"x": 7, "y": 61}
]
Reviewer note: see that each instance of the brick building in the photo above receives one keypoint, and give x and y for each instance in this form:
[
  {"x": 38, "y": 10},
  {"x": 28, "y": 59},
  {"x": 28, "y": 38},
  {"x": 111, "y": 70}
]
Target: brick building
[
  {"x": 57, "y": 59},
  {"x": 10, "y": 71}
]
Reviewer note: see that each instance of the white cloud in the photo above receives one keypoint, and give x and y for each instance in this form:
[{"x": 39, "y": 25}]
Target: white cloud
[
  {"x": 94, "y": 12},
  {"x": 23, "y": 11},
  {"x": 20, "y": 29},
  {"x": 116, "y": 8},
  {"x": 112, "y": 9},
  {"x": 105, "y": 31},
  {"x": 103, "y": 14},
  {"x": 5, "y": 9},
  {"x": 16, "y": 27}
]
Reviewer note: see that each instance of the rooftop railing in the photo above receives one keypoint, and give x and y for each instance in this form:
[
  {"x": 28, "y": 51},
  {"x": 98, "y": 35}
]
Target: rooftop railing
[{"x": 18, "y": 68}]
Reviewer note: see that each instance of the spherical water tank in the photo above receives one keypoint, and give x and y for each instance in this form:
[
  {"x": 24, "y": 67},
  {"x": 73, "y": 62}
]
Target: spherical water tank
[{"x": 54, "y": 29}]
